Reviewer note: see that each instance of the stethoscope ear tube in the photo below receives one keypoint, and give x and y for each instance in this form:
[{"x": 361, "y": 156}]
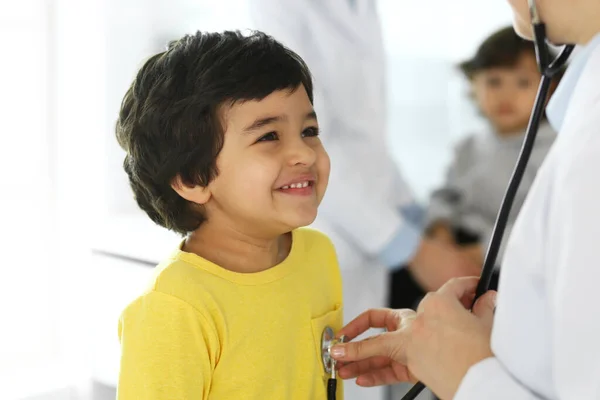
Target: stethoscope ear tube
[
  {"x": 543, "y": 56},
  {"x": 528, "y": 143},
  {"x": 513, "y": 186}
]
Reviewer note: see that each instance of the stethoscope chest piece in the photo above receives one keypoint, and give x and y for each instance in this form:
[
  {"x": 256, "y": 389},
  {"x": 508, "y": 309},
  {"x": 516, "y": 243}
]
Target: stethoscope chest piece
[
  {"x": 326, "y": 343},
  {"x": 328, "y": 340}
]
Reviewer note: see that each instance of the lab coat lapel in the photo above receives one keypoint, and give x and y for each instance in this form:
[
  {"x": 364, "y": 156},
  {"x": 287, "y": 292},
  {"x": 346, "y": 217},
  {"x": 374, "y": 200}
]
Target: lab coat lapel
[{"x": 585, "y": 96}]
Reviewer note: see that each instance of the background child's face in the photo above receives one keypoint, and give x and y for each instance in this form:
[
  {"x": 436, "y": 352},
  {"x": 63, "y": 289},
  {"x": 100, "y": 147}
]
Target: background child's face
[
  {"x": 273, "y": 169},
  {"x": 506, "y": 95}
]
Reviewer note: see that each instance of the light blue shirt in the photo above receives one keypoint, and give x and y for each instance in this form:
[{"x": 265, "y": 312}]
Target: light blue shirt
[
  {"x": 557, "y": 106},
  {"x": 406, "y": 240}
]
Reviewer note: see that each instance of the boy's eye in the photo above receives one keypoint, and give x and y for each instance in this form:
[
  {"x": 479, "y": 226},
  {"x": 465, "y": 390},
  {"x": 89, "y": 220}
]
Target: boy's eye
[
  {"x": 310, "y": 132},
  {"x": 268, "y": 137}
]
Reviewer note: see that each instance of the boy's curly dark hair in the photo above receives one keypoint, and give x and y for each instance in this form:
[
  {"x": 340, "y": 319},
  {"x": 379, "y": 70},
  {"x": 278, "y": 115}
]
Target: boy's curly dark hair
[{"x": 169, "y": 122}]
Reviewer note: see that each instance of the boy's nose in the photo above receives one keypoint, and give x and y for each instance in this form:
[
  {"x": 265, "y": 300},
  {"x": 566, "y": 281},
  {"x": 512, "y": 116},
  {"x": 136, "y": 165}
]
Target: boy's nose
[{"x": 299, "y": 153}]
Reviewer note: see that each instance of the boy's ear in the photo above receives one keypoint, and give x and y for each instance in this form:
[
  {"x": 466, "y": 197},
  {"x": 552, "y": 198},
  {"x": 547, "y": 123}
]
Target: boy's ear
[{"x": 195, "y": 193}]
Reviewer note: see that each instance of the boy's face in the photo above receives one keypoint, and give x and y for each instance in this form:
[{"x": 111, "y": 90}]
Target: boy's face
[
  {"x": 506, "y": 95},
  {"x": 273, "y": 169}
]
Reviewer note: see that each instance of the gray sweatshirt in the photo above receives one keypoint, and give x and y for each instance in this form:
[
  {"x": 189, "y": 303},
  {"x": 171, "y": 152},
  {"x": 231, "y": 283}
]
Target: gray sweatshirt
[{"x": 477, "y": 180}]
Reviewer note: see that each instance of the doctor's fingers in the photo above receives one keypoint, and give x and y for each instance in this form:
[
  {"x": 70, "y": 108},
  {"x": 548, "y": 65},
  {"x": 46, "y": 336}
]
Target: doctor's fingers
[
  {"x": 455, "y": 291},
  {"x": 385, "y": 376},
  {"x": 374, "y": 365},
  {"x": 484, "y": 308},
  {"x": 391, "y": 345},
  {"x": 376, "y": 318}
]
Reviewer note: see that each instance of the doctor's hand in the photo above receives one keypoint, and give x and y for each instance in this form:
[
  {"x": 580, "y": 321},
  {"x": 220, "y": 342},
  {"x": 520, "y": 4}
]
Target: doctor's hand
[
  {"x": 436, "y": 345},
  {"x": 435, "y": 263}
]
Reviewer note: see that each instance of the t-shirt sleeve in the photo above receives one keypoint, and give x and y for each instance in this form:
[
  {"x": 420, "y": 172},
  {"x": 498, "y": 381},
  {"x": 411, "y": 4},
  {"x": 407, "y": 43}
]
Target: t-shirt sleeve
[{"x": 168, "y": 350}]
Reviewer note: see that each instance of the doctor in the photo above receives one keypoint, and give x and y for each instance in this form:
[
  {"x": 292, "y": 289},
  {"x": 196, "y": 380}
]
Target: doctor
[{"x": 545, "y": 341}]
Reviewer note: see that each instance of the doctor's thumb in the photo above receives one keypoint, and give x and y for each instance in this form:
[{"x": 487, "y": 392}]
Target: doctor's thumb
[
  {"x": 355, "y": 351},
  {"x": 485, "y": 306}
]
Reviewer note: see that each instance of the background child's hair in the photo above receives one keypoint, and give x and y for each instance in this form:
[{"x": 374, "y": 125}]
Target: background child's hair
[
  {"x": 503, "y": 49},
  {"x": 170, "y": 125}
]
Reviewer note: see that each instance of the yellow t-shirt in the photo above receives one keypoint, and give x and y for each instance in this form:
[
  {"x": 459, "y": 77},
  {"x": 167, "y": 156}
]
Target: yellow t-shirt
[{"x": 203, "y": 332}]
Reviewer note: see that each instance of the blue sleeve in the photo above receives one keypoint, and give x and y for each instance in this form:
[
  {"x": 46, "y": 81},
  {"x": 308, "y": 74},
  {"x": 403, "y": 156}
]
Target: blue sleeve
[
  {"x": 413, "y": 213},
  {"x": 406, "y": 240}
]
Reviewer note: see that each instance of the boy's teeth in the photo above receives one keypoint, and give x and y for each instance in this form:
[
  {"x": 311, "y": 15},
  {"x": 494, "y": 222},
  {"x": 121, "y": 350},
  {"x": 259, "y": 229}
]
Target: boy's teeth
[{"x": 296, "y": 185}]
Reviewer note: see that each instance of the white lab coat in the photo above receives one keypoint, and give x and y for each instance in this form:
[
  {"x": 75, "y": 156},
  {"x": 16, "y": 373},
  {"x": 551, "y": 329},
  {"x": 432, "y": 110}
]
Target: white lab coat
[
  {"x": 341, "y": 42},
  {"x": 546, "y": 335}
]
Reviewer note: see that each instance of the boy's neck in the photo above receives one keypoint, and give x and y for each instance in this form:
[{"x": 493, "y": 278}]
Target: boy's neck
[{"x": 237, "y": 251}]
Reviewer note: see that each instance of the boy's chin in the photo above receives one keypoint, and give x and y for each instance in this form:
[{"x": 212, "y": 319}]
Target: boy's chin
[{"x": 301, "y": 220}]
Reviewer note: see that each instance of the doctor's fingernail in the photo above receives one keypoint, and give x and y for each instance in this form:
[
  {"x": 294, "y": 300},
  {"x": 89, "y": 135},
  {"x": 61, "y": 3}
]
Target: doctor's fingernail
[{"x": 338, "y": 351}]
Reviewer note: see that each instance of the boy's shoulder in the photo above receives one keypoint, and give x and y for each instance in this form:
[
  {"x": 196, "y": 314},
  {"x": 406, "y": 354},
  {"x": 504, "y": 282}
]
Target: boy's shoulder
[
  {"x": 314, "y": 237},
  {"x": 178, "y": 280}
]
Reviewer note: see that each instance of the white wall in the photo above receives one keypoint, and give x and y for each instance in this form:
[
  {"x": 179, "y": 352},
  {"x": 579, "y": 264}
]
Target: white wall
[
  {"x": 27, "y": 182},
  {"x": 52, "y": 80}
]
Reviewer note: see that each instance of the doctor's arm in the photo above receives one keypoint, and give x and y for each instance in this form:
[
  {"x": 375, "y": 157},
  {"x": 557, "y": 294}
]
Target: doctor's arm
[{"x": 573, "y": 235}]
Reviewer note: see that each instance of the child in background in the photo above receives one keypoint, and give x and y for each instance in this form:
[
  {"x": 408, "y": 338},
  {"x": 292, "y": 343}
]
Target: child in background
[
  {"x": 222, "y": 146},
  {"x": 504, "y": 79}
]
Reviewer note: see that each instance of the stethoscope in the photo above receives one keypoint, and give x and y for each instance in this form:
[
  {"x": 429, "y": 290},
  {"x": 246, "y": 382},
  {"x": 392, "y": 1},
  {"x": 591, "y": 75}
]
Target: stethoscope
[{"x": 548, "y": 68}]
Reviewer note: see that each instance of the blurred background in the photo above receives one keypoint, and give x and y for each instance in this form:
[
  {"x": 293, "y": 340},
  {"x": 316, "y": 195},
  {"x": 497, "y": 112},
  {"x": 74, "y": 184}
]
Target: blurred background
[{"x": 69, "y": 262}]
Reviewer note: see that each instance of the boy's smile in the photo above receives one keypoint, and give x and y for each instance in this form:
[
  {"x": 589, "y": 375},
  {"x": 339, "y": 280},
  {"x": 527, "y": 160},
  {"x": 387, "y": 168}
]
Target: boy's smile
[{"x": 302, "y": 185}]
